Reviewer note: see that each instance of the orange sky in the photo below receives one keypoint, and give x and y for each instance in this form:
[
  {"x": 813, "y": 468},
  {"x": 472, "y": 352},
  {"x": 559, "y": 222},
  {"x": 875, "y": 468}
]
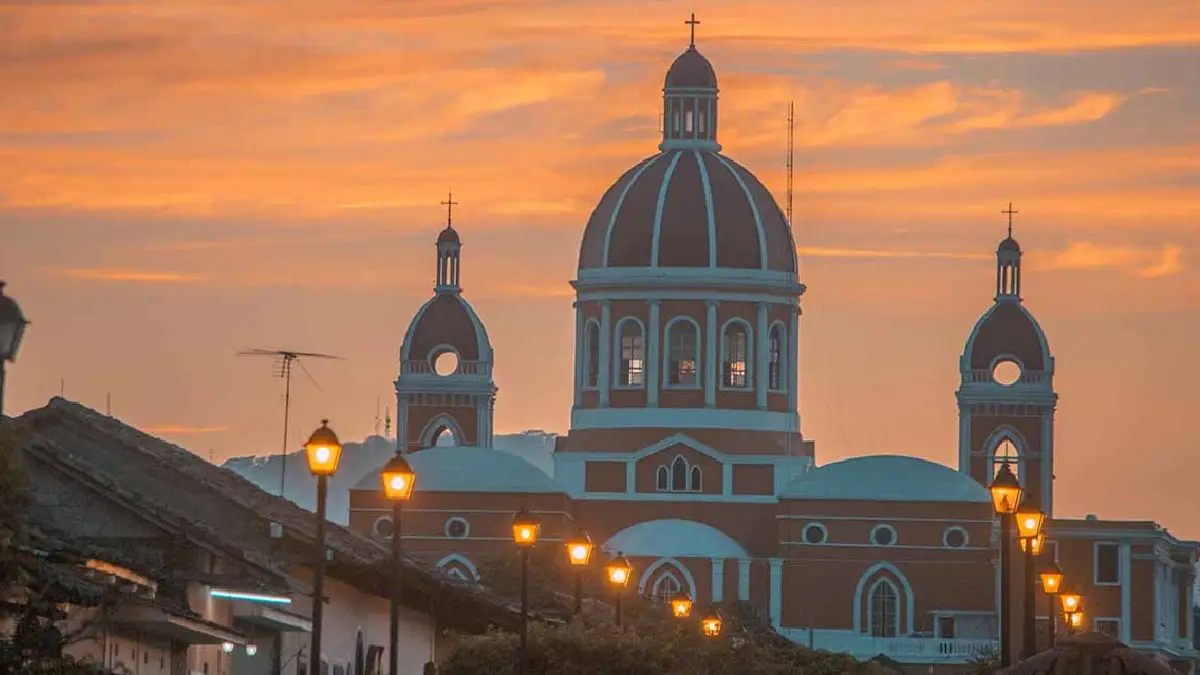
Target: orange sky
[{"x": 180, "y": 181}]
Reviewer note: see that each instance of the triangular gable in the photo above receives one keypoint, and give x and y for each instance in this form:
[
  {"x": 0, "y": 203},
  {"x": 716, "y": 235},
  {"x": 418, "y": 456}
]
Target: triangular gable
[{"x": 680, "y": 439}]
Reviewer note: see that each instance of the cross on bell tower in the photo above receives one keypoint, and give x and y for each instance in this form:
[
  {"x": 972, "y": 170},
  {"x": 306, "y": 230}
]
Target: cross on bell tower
[
  {"x": 693, "y": 22},
  {"x": 449, "y": 204},
  {"x": 449, "y": 247},
  {"x": 1008, "y": 263},
  {"x": 1010, "y": 212}
]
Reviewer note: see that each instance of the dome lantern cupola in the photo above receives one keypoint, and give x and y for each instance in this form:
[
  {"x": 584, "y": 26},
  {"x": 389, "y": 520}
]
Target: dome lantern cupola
[
  {"x": 1008, "y": 264},
  {"x": 448, "y": 249},
  {"x": 690, "y": 101}
]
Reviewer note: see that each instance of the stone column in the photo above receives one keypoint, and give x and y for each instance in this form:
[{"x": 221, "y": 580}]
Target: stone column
[
  {"x": 776, "y": 603},
  {"x": 744, "y": 580},
  {"x": 401, "y": 423},
  {"x": 652, "y": 356},
  {"x": 793, "y": 360},
  {"x": 718, "y": 580},
  {"x": 712, "y": 353},
  {"x": 605, "y": 350},
  {"x": 762, "y": 358}
]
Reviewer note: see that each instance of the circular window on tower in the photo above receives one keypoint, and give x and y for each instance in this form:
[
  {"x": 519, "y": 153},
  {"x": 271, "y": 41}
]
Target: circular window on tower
[
  {"x": 955, "y": 537},
  {"x": 814, "y": 533},
  {"x": 445, "y": 362},
  {"x": 383, "y": 527},
  {"x": 457, "y": 528},
  {"x": 883, "y": 535},
  {"x": 1006, "y": 372}
]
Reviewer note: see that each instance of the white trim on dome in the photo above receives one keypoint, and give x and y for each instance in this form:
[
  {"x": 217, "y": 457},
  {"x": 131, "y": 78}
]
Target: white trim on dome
[
  {"x": 758, "y": 223},
  {"x": 658, "y": 208},
  {"x": 708, "y": 209},
  {"x": 674, "y": 538},
  {"x": 461, "y": 560},
  {"x": 485, "y": 344},
  {"x": 689, "y": 277},
  {"x": 612, "y": 219},
  {"x": 406, "y": 346}
]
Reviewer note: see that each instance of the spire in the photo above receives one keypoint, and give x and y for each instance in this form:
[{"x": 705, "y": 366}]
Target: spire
[
  {"x": 690, "y": 100},
  {"x": 1008, "y": 263},
  {"x": 448, "y": 249}
]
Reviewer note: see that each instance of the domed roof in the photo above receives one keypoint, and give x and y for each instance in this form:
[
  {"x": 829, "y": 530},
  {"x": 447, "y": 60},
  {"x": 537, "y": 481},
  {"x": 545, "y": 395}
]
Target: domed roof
[
  {"x": 1008, "y": 244},
  {"x": 688, "y": 208},
  {"x": 470, "y": 469},
  {"x": 446, "y": 320},
  {"x": 691, "y": 69},
  {"x": 1007, "y": 329},
  {"x": 448, "y": 236},
  {"x": 674, "y": 538},
  {"x": 887, "y": 478}
]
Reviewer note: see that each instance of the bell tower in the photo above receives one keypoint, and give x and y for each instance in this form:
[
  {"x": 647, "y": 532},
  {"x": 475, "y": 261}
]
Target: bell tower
[{"x": 1006, "y": 397}]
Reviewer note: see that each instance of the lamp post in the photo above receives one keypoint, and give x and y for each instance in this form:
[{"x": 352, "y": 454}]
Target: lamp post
[
  {"x": 1029, "y": 527},
  {"x": 525, "y": 533},
  {"x": 681, "y": 605},
  {"x": 579, "y": 553},
  {"x": 1006, "y": 495},
  {"x": 12, "y": 329},
  {"x": 1052, "y": 578},
  {"x": 398, "y": 479},
  {"x": 324, "y": 451},
  {"x": 711, "y": 624},
  {"x": 1072, "y": 607},
  {"x": 618, "y": 572}
]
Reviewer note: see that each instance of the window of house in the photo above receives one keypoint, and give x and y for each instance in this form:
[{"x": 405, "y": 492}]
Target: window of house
[
  {"x": 1108, "y": 563},
  {"x": 591, "y": 366},
  {"x": 683, "y": 352},
  {"x": 457, "y": 528},
  {"x": 632, "y": 355},
  {"x": 883, "y": 535},
  {"x": 1110, "y": 627},
  {"x": 383, "y": 526},
  {"x": 1006, "y": 451},
  {"x": 696, "y": 482},
  {"x": 663, "y": 481},
  {"x": 775, "y": 365},
  {"x": 736, "y": 356},
  {"x": 679, "y": 475},
  {"x": 945, "y": 627},
  {"x": 814, "y": 533},
  {"x": 954, "y": 537},
  {"x": 885, "y": 619},
  {"x": 666, "y": 587}
]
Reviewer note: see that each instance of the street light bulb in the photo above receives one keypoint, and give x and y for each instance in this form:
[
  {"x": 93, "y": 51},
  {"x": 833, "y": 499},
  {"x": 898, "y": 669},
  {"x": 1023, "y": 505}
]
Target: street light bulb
[
  {"x": 619, "y": 576},
  {"x": 579, "y": 552},
  {"x": 1076, "y": 619},
  {"x": 251, "y": 649},
  {"x": 324, "y": 450},
  {"x": 322, "y": 454},
  {"x": 227, "y": 647},
  {"x": 524, "y": 529},
  {"x": 681, "y": 606},
  {"x": 711, "y": 626}
]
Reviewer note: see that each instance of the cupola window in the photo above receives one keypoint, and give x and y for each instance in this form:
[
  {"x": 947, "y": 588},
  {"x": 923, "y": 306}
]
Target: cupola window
[
  {"x": 683, "y": 353},
  {"x": 775, "y": 364},
  {"x": 735, "y": 356},
  {"x": 633, "y": 355}
]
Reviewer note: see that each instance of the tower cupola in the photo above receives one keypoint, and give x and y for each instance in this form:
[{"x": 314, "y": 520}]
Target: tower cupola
[
  {"x": 690, "y": 101},
  {"x": 449, "y": 247}
]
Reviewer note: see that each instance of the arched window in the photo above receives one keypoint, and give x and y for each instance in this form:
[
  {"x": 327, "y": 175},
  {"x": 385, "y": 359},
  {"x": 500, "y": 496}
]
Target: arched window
[
  {"x": 775, "y": 365},
  {"x": 664, "y": 479},
  {"x": 1006, "y": 451},
  {"x": 885, "y": 615},
  {"x": 696, "y": 480},
  {"x": 591, "y": 359},
  {"x": 679, "y": 475},
  {"x": 665, "y": 587},
  {"x": 735, "y": 355},
  {"x": 633, "y": 356},
  {"x": 683, "y": 353}
]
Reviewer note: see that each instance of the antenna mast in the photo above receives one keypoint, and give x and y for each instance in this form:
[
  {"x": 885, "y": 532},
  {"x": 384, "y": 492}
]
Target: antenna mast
[
  {"x": 790, "y": 156},
  {"x": 284, "y": 360}
]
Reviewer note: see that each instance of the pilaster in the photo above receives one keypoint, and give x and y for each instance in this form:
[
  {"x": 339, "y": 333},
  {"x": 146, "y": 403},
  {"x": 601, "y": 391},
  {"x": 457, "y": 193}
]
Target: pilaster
[
  {"x": 653, "y": 360},
  {"x": 606, "y": 338},
  {"x": 711, "y": 354},
  {"x": 762, "y": 358}
]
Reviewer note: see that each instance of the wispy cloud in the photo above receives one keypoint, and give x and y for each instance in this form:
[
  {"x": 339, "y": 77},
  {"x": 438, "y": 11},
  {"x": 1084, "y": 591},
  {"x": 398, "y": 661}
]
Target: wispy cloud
[
  {"x": 137, "y": 276},
  {"x": 1143, "y": 262},
  {"x": 181, "y": 429},
  {"x": 819, "y": 252}
]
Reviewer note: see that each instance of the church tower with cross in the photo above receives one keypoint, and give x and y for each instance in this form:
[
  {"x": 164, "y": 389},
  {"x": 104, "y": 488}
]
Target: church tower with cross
[
  {"x": 1006, "y": 396},
  {"x": 445, "y": 385}
]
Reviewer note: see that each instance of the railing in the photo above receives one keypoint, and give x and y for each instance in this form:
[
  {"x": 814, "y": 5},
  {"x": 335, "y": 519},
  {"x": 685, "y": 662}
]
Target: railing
[
  {"x": 985, "y": 376},
  {"x": 904, "y": 649},
  {"x": 422, "y": 367}
]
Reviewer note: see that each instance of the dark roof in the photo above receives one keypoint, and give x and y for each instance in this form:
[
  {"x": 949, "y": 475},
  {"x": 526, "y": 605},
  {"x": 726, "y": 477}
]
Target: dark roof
[
  {"x": 229, "y": 510},
  {"x": 691, "y": 69},
  {"x": 1008, "y": 329},
  {"x": 446, "y": 319},
  {"x": 448, "y": 236},
  {"x": 688, "y": 208},
  {"x": 1008, "y": 244}
]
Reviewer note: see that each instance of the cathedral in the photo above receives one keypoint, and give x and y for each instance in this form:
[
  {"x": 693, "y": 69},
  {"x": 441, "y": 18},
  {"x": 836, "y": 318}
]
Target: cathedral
[{"x": 686, "y": 454}]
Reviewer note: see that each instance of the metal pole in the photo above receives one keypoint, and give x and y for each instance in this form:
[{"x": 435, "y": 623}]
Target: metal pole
[
  {"x": 397, "y": 572},
  {"x": 1030, "y": 604},
  {"x": 1005, "y": 590},
  {"x": 524, "y": 668},
  {"x": 314, "y": 666},
  {"x": 1053, "y": 617},
  {"x": 1, "y": 387},
  {"x": 618, "y": 607},
  {"x": 287, "y": 406},
  {"x": 578, "y": 592}
]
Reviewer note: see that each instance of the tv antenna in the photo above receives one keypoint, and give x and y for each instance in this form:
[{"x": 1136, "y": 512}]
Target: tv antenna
[
  {"x": 790, "y": 156},
  {"x": 282, "y": 365}
]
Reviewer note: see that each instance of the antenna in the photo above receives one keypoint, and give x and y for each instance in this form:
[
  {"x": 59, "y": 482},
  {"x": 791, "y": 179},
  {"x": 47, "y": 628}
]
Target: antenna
[
  {"x": 283, "y": 361},
  {"x": 791, "y": 141},
  {"x": 387, "y": 422},
  {"x": 108, "y": 404},
  {"x": 377, "y": 420}
]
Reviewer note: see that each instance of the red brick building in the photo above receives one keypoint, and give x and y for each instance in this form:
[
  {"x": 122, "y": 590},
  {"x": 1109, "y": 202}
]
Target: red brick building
[{"x": 685, "y": 451}]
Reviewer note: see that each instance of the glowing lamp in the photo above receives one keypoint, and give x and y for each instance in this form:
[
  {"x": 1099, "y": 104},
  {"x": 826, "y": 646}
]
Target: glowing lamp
[
  {"x": 1035, "y": 546},
  {"x": 618, "y": 571},
  {"x": 398, "y": 479},
  {"x": 1029, "y": 521},
  {"x": 1070, "y": 600},
  {"x": 1052, "y": 578},
  {"x": 579, "y": 550},
  {"x": 324, "y": 451},
  {"x": 251, "y": 649},
  {"x": 1006, "y": 490},
  {"x": 525, "y": 529},
  {"x": 711, "y": 625},
  {"x": 1075, "y": 619},
  {"x": 227, "y": 647},
  {"x": 681, "y": 605}
]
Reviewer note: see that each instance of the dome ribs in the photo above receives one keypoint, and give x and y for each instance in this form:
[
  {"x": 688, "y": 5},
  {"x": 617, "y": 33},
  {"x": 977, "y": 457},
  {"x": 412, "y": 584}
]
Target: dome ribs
[{"x": 684, "y": 234}]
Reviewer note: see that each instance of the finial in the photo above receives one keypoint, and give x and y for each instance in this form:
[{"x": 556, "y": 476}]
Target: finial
[
  {"x": 449, "y": 204},
  {"x": 692, "y": 22},
  {"x": 1010, "y": 213},
  {"x": 324, "y": 423}
]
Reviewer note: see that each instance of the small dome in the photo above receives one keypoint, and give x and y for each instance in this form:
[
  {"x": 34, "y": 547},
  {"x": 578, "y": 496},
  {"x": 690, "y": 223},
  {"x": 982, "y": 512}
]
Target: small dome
[
  {"x": 691, "y": 69},
  {"x": 674, "y": 538},
  {"x": 1009, "y": 245},
  {"x": 470, "y": 469},
  {"x": 448, "y": 236},
  {"x": 886, "y": 478},
  {"x": 1007, "y": 329},
  {"x": 688, "y": 208},
  {"x": 446, "y": 319}
]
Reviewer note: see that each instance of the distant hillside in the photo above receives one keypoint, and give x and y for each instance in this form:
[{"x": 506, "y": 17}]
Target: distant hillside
[{"x": 359, "y": 459}]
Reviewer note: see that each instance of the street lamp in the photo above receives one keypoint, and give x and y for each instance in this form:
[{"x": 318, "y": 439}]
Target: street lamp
[
  {"x": 711, "y": 624},
  {"x": 618, "y": 572},
  {"x": 1030, "y": 520},
  {"x": 397, "y": 477},
  {"x": 1072, "y": 607},
  {"x": 12, "y": 329},
  {"x": 1006, "y": 495},
  {"x": 1052, "y": 578},
  {"x": 525, "y": 533},
  {"x": 681, "y": 605},
  {"x": 579, "y": 552},
  {"x": 324, "y": 451}
]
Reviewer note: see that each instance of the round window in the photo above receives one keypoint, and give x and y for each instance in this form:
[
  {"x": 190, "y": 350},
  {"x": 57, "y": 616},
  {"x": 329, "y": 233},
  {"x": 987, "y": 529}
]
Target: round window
[
  {"x": 445, "y": 363},
  {"x": 1006, "y": 372},
  {"x": 815, "y": 533},
  {"x": 955, "y": 537},
  {"x": 457, "y": 528},
  {"x": 383, "y": 527},
  {"x": 883, "y": 535}
]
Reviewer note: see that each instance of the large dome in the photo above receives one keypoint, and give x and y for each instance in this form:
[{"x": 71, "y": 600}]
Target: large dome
[
  {"x": 886, "y": 478},
  {"x": 470, "y": 469},
  {"x": 688, "y": 208}
]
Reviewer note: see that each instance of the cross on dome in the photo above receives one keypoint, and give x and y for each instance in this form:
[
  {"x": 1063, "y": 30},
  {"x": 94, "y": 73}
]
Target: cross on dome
[
  {"x": 1010, "y": 212},
  {"x": 693, "y": 22},
  {"x": 449, "y": 204}
]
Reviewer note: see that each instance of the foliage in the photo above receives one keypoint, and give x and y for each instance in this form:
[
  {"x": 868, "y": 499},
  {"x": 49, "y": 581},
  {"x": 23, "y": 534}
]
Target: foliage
[
  {"x": 652, "y": 644},
  {"x": 984, "y": 663},
  {"x": 501, "y": 573}
]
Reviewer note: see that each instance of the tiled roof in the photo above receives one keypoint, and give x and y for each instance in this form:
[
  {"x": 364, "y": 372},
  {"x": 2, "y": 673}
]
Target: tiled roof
[{"x": 225, "y": 508}]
